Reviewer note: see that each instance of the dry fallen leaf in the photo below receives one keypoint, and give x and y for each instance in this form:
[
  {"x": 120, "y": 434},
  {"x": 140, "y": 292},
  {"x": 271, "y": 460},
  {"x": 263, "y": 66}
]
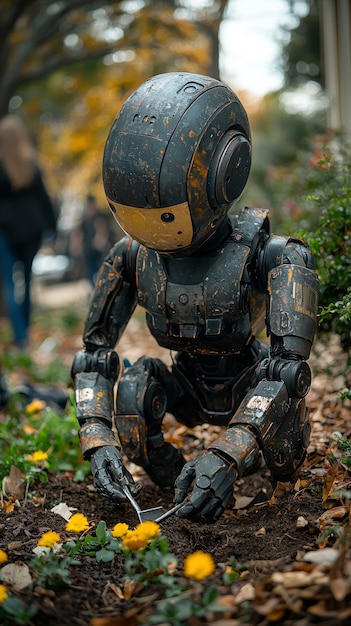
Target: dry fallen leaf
[
  {"x": 116, "y": 590},
  {"x": 265, "y": 603},
  {"x": 114, "y": 621},
  {"x": 227, "y": 622},
  {"x": 282, "y": 489},
  {"x": 300, "y": 484},
  {"x": 7, "y": 506},
  {"x": 228, "y": 601},
  {"x": 324, "y": 555},
  {"x": 337, "y": 512},
  {"x": 329, "y": 480},
  {"x": 242, "y": 502},
  {"x": 340, "y": 587},
  {"x": 63, "y": 510},
  {"x": 38, "y": 500},
  {"x": 301, "y": 522},
  {"x": 297, "y": 579},
  {"x": 247, "y": 592},
  {"x": 13, "y": 484},
  {"x": 129, "y": 587},
  {"x": 16, "y": 575}
]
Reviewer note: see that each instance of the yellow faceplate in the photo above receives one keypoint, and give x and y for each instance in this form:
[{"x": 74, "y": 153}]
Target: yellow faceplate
[{"x": 151, "y": 228}]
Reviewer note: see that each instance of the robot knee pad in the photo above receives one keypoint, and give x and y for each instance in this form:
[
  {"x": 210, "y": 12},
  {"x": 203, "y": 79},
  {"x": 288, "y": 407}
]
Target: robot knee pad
[
  {"x": 286, "y": 451},
  {"x": 141, "y": 405}
]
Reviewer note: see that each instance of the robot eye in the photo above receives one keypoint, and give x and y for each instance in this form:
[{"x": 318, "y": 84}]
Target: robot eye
[{"x": 167, "y": 217}]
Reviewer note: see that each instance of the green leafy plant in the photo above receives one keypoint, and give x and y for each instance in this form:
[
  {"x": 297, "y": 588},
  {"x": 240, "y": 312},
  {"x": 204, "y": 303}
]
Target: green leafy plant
[
  {"x": 330, "y": 240},
  {"x": 101, "y": 544},
  {"x": 23, "y": 432},
  {"x": 13, "y": 610},
  {"x": 153, "y": 564},
  {"x": 146, "y": 558},
  {"x": 52, "y": 571},
  {"x": 53, "y": 372},
  {"x": 192, "y": 602},
  {"x": 148, "y": 561},
  {"x": 232, "y": 571},
  {"x": 344, "y": 445},
  {"x": 334, "y": 531}
]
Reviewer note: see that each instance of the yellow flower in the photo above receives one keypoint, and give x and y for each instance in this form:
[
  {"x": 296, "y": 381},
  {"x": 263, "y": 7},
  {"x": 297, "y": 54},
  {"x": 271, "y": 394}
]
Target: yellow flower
[
  {"x": 3, "y": 557},
  {"x": 28, "y": 429},
  {"x": 48, "y": 540},
  {"x": 38, "y": 456},
  {"x": 148, "y": 529},
  {"x": 3, "y": 594},
  {"x": 77, "y": 523},
  {"x": 35, "y": 406},
  {"x": 119, "y": 530},
  {"x": 133, "y": 540},
  {"x": 141, "y": 536},
  {"x": 199, "y": 565}
]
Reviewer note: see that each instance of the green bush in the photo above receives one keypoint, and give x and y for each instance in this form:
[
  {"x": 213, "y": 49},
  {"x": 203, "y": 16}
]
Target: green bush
[{"x": 330, "y": 240}]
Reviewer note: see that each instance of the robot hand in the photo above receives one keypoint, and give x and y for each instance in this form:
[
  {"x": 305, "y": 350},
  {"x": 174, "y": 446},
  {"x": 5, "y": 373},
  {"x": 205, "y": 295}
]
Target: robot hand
[
  {"x": 109, "y": 474},
  {"x": 212, "y": 481}
]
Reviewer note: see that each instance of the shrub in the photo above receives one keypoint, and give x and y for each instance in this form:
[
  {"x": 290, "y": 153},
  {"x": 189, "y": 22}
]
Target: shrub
[{"x": 330, "y": 240}]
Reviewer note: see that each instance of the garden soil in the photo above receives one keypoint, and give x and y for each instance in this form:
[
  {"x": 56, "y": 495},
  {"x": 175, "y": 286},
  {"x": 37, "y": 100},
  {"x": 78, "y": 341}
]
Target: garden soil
[{"x": 266, "y": 537}]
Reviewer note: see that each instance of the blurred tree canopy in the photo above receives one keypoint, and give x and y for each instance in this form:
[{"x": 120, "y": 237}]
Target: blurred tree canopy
[
  {"x": 302, "y": 54},
  {"x": 39, "y": 37},
  {"x": 67, "y": 66}
]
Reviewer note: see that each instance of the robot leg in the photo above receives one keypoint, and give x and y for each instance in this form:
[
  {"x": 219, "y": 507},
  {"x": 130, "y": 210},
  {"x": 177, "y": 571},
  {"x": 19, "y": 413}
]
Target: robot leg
[{"x": 141, "y": 405}]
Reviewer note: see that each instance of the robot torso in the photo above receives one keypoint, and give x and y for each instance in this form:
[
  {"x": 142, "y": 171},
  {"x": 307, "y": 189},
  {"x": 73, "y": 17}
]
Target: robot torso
[{"x": 204, "y": 304}]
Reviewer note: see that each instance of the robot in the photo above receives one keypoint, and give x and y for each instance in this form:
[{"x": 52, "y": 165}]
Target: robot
[{"x": 176, "y": 160}]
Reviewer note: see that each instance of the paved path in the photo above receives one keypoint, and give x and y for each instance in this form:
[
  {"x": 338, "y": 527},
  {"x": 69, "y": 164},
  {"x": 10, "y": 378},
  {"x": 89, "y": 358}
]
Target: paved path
[{"x": 60, "y": 294}]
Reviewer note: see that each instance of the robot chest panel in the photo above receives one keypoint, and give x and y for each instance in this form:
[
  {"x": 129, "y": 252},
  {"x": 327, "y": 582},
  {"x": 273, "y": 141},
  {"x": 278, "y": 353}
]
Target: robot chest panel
[{"x": 192, "y": 297}]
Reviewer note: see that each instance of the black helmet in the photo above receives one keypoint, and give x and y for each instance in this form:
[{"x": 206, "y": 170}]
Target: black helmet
[{"x": 177, "y": 156}]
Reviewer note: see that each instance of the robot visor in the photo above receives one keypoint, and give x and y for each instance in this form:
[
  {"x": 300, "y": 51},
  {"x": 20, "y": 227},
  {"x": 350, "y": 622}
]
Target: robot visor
[{"x": 163, "y": 229}]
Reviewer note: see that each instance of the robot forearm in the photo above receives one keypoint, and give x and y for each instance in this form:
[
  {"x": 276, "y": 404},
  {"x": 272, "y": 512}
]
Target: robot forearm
[
  {"x": 271, "y": 421},
  {"x": 93, "y": 434},
  {"x": 256, "y": 421},
  {"x": 291, "y": 282},
  {"x": 94, "y": 377},
  {"x": 293, "y": 310}
]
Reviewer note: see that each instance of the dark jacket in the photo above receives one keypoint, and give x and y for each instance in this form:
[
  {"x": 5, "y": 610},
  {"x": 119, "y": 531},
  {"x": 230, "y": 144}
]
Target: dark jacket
[{"x": 25, "y": 214}]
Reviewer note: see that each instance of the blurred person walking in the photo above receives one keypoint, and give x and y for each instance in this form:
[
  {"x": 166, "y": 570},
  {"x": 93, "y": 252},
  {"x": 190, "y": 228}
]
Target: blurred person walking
[{"x": 26, "y": 213}]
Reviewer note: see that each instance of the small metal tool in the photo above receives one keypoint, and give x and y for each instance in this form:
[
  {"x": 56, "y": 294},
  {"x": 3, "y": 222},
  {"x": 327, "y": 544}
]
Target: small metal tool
[
  {"x": 146, "y": 514},
  {"x": 171, "y": 511}
]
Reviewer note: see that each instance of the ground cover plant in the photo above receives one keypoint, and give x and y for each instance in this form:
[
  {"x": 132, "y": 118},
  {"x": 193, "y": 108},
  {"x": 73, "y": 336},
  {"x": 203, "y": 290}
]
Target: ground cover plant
[{"x": 68, "y": 556}]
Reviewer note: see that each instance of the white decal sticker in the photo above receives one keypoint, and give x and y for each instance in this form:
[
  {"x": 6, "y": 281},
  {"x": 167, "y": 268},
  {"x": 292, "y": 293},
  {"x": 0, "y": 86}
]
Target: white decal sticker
[
  {"x": 259, "y": 402},
  {"x": 82, "y": 395}
]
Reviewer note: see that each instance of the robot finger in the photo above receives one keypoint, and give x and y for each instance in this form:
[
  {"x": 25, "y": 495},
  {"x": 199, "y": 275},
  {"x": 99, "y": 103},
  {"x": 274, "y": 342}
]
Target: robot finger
[
  {"x": 115, "y": 470},
  {"x": 212, "y": 511},
  {"x": 105, "y": 486},
  {"x": 197, "y": 500},
  {"x": 184, "y": 482}
]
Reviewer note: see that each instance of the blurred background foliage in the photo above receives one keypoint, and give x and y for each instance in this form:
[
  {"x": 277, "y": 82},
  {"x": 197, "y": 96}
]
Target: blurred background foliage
[{"x": 68, "y": 65}]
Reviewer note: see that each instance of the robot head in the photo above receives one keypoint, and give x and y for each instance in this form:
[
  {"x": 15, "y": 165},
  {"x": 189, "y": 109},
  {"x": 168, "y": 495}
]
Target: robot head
[{"x": 176, "y": 158}]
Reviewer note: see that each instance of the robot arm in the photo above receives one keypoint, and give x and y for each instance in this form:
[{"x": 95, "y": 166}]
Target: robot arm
[
  {"x": 272, "y": 417},
  {"x": 95, "y": 371},
  {"x": 114, "y": 297},
  {"x": 292, "y": 297}
]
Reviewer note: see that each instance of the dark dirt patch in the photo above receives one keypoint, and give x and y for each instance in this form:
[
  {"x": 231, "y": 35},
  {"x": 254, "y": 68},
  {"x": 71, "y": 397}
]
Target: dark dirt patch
[{"x": 261, "y": 538}]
